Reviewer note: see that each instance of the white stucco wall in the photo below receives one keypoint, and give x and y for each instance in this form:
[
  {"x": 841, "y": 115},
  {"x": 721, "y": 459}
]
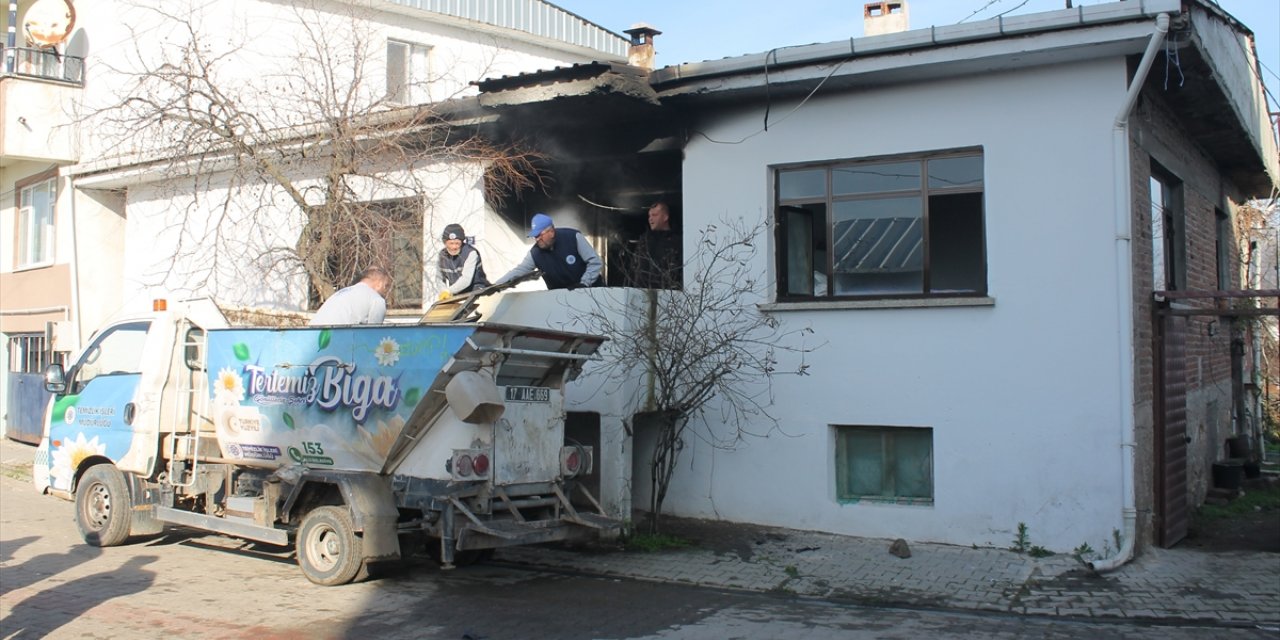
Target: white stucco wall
[
  {"x": 264, "y": 44},
  {"x": 1022, "y": 395}
]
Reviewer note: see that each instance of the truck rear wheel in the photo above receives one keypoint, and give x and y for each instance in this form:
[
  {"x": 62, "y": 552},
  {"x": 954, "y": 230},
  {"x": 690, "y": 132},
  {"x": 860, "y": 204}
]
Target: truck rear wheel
[
  {"x": 329, "y": 551},
  {"x": 103, "y": 506}
]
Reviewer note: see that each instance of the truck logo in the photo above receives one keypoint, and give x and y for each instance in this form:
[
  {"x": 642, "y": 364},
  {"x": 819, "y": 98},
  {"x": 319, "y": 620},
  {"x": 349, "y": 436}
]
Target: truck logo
[
  {"x": 328, "y": 383},
  {"x": 528, "y": 394},
  {"x": 312, "y": 456},
  {"x": 253, "y": 451}
]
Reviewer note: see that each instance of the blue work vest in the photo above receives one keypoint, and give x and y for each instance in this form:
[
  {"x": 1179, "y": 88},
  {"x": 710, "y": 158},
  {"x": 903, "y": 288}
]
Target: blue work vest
[{"x": 561, "y": 266}]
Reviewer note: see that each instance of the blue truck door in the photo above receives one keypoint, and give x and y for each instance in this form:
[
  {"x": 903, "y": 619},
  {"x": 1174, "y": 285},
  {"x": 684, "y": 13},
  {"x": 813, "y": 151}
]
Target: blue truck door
[{"x": 94, "y": 416}]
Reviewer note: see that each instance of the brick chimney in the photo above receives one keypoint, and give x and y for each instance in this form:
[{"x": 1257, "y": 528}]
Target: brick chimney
[
  {"x": 889, "y": 16},
  {"x": 641, "y": 53}
]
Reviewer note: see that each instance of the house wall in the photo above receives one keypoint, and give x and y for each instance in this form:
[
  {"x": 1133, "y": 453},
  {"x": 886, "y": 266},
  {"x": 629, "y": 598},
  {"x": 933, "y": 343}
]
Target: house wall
[
  {"x": 264, "y": 43},
  {"x": 30, "y": 297},
  {"x": 1155, "y": 136},
  {"x": 158, "y": 261},
  {"x": 100, "y": 234},
  {"x": 1023, "y": 393}
]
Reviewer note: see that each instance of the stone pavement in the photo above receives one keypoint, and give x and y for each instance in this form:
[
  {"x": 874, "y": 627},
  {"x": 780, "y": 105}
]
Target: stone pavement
[
  {"x": 1238, "y": 589},
  {"x": 1231, "y": 589}
]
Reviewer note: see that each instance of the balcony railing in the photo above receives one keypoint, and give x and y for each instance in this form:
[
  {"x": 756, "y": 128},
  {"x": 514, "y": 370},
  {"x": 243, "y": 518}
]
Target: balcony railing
[{"x": 43, "y": 63}]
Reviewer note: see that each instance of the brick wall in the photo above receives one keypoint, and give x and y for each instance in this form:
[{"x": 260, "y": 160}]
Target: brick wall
[{"x": 1156, "y": 136}]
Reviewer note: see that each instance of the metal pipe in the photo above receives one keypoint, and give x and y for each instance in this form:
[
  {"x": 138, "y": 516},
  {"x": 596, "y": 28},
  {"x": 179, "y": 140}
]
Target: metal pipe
[
  {"x": 1124, "y": 299},
  {"x": 76, "y": 320},
  {"x": 32, "y": 311},
  {"x": 11, "y": 38}
]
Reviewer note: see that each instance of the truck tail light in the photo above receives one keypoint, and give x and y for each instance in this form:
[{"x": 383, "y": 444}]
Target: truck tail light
[{"x": 469, "y": 464}]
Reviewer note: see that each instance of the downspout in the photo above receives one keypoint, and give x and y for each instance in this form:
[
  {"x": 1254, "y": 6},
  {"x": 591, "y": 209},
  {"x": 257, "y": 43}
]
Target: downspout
[
  {"x": 75, "y": 268},
  {"x": 11, "y": 38},
  {"x": 1124, "y": 298}
]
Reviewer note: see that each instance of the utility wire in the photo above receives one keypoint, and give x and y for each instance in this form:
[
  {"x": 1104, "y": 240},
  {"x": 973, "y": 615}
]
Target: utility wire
[{"x": 980, "y": 10}]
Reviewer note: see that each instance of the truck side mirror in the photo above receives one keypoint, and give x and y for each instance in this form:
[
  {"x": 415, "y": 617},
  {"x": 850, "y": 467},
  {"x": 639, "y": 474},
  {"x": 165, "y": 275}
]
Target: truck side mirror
[
  {"x": 192, "y": 349},
  {"x": 55, "y": 379}
]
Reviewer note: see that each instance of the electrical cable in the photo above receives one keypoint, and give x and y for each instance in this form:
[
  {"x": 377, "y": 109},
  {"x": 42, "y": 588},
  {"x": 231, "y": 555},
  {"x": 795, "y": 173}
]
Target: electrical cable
[{"x": 835, "y": 68}]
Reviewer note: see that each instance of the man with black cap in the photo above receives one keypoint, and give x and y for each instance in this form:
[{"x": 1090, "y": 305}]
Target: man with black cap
[
  {"x": 564, "y": 256},
  {"x": 460, "y": 265}
]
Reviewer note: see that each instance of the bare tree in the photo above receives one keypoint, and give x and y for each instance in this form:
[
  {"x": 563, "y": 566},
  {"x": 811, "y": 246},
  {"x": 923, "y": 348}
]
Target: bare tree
[
  {"x": 701, "y": 348},
  {"x": 313, "y": 166},
  {"x": 1258, "y": 232}
]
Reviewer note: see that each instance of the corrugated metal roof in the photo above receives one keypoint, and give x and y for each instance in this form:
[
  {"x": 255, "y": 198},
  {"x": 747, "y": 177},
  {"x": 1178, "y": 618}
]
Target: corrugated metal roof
[{"x": 535, "y": 17}]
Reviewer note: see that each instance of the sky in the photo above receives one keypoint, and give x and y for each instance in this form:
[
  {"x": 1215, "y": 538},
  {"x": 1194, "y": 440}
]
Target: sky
[{"x": 697, "y": 30}]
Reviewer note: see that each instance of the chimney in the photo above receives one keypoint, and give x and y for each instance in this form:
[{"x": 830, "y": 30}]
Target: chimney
[
  {"x": 890, "y": 16},
  {"x": 641, "y": 53}
]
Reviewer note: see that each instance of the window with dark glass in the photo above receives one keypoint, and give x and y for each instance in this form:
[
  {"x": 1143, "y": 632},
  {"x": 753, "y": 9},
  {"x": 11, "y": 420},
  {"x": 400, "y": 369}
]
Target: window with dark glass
[
  {"x": 890, "y": 227},
  {"x": 1168, "y": 228}
]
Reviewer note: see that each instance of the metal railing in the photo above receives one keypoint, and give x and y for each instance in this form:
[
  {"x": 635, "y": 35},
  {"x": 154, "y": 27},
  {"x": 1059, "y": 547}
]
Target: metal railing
[{"x": 47, "y": 64}]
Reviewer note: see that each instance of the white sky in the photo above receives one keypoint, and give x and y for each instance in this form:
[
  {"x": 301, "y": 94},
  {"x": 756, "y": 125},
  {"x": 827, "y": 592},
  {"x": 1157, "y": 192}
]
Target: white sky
[{"x": 696, "y": 30}]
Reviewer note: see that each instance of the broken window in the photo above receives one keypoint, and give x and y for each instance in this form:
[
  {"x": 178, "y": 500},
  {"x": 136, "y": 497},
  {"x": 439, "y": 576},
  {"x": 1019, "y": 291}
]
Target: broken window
[{"x": 908, "y": 226}]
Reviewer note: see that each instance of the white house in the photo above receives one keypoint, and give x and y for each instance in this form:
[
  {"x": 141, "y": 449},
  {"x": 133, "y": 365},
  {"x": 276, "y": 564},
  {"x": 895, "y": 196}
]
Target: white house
[
  {"x": 974, "y": 220},
  {"x": 100, "y": 215}
]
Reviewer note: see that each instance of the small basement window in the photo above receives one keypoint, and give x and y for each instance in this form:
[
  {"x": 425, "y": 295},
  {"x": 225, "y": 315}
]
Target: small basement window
[{"x": 884, "y": 464}]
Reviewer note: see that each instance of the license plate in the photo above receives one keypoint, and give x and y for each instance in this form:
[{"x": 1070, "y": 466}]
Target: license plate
[{"x": 528, "y": 394}]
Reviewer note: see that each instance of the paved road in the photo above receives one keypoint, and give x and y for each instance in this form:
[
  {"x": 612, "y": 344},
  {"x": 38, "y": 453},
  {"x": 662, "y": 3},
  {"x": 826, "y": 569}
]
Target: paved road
[{"x": 188, "y": 585}]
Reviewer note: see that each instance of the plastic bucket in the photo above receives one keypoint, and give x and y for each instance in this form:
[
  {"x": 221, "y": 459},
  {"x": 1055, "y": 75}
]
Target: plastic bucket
[{"x": 1228, "y": 474}]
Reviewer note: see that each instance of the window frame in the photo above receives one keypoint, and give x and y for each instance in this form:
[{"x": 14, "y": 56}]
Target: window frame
[
  {"x": 1224, "y": 248},
  {"x": 923, "y": 191},
  {"x": 405, "y": 90},
  {"x": 1173, "y": 230},
  {"x": 29, "y": 353},
  {"x": 841, "y": 458},
  {"x": 81, "y": 375},
  {"x": 26, "y": 255}
]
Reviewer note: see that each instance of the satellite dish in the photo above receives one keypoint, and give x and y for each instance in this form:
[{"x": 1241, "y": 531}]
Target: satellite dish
[{"x": 49, "y": 22}]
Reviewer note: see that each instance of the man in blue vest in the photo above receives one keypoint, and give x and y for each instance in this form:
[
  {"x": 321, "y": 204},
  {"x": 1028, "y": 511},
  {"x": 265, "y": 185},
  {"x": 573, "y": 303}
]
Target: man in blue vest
[{"x": 564, "y": 257}]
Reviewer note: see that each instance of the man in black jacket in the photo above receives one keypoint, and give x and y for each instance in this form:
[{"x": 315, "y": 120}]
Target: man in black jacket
[
  {"x": 563, "y": 255},
  {"x": 460, "y": 264}
]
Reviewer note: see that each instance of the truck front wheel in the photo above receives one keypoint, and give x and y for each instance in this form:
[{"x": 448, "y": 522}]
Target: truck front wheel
[
  {"x": 103, "y": 506},
  {"x": 329, "y": 551}
]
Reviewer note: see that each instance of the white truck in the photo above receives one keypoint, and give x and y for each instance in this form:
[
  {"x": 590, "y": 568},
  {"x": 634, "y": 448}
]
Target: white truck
[{"x": 350, "y": 443}]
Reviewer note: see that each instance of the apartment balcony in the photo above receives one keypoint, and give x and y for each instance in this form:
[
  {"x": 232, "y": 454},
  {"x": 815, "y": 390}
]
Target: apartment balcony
[{"x": 37, "y": 89}]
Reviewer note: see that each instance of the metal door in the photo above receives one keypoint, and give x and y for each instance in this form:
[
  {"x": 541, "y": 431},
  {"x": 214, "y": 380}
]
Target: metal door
[{"x": 1170, "y": 442}]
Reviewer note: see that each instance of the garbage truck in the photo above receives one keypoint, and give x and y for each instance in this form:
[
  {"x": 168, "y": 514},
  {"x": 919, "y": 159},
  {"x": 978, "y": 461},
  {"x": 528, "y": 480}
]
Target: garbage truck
[{"x": 354, "y": 445}]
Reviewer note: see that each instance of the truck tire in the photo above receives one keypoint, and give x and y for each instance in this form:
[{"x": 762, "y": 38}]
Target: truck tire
[
  {"x": 329, "y": 551},
  {"x": 103, "y": 506}
]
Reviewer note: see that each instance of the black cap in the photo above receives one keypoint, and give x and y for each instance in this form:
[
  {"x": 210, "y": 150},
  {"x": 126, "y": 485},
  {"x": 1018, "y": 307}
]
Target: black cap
[{"x": 453, "y": 232}]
